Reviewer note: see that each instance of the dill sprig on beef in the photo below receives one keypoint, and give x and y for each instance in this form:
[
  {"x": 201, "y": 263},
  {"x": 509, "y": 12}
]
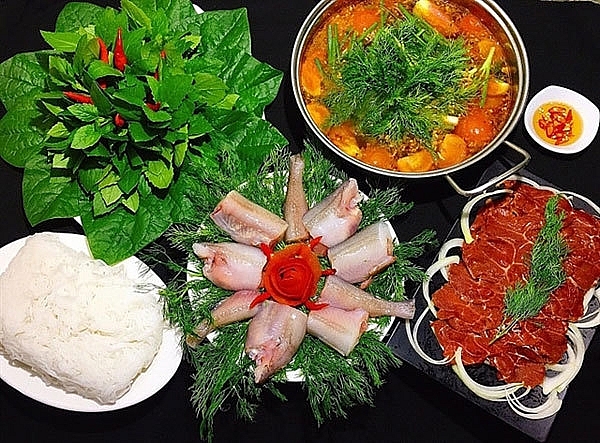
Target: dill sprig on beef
[{"x": 546, "y": 273}]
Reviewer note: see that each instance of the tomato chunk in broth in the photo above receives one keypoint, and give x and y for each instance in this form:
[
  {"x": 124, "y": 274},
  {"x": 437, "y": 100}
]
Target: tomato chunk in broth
[{"x": 472, "y": 122}]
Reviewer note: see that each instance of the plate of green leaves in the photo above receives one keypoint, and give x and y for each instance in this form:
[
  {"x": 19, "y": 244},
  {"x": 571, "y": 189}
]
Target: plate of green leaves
[{"x": 109, "y": 121}]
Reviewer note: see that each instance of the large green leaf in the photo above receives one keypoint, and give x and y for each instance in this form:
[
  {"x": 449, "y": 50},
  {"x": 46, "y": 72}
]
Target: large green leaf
[
  {"x": 228, "y": 39},
  {"x": 77, "y": 15},
  {"x": 208, "y": 88},
  {"x": 252, "y": 137},
  {"x": 46, "y": 196},
  {"x": 21, "y": 76},
  {"x": 119, "y": 234},
  {"x": 181, "y": 15},
  {"x": 225, "y": 31},
  {"x": 20, "y": 139},
  {"x": 256, "y": 83}
]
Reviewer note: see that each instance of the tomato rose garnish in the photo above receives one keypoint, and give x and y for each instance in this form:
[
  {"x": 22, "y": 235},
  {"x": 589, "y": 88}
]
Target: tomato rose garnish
[{"x": 291, "y": 276}]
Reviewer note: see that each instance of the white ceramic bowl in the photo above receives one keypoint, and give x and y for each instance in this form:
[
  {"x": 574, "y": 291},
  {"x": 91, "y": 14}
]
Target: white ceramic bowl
[{"x": 587, "y": 110}]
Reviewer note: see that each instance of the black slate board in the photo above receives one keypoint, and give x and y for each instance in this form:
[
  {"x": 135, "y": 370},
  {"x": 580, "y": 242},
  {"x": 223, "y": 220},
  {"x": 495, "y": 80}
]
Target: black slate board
[{"x": 398, "y": 342}]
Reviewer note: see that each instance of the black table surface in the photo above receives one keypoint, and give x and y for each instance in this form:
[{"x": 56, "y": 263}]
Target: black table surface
[{"x": 563, "y": 44}]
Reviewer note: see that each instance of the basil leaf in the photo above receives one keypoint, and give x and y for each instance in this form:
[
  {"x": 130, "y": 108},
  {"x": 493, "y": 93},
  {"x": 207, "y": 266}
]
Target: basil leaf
[
  {"x": 59, "y": 130},
  {"x": 86, "y": 52},
  {"x": 132, "y": 202},
  {"x": 99, "y": 206},
  {"x": 60, "y": 161},
  {"x": 173, "y": 88},
  {"x": 157, "y": 116},
  {"x": 111, "y": 194},
  {"x": 199, "y": 126},
  {"x": 85, "y": 136},
  {"x": 129, "y": 180},
  {"x": 137, "y": 14},
  {"x": 159, "y": 173},
  {"x": 98, "y": 69},
  {"x": 61, "y": 41},
  {"x": 84, "y": 112},
  {"x": 138, "y": 133},
  {"x": 100, "y": 99},
  {"x": 180, "y": 152},
  {"x": 61, "y": 70},
  {"x": 90, "y": 177}
]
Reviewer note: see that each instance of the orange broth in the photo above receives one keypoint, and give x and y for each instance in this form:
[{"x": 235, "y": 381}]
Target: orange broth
[{"x": 476, "y": 127}]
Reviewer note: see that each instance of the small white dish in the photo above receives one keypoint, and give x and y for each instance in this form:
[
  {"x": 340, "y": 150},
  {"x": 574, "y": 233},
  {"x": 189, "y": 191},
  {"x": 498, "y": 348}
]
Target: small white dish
[{"x": 587, "y": 110}]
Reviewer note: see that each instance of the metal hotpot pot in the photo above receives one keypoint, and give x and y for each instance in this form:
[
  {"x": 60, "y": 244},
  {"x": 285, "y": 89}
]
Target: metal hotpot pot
[{"x": 500, "y": 24}]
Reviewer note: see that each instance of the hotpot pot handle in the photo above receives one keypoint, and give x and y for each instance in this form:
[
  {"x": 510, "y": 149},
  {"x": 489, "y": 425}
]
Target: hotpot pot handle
[{"x": 495, "y": 180}]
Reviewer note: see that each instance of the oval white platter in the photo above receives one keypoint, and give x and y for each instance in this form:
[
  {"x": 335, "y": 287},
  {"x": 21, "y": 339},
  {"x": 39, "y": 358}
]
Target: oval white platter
[{"x": 161, "y": 370}]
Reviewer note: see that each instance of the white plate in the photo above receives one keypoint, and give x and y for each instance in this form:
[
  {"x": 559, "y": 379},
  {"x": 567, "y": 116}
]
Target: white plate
[
  {"x": 160, "y": 371},
  {"x": 587, "y": 110}
]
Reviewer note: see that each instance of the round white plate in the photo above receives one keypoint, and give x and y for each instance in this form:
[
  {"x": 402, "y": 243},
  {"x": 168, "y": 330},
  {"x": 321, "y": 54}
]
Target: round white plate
[
  {"x": 291, "y": 376},
  {"x": 587, "y": 110},
  {"x": 160, "y": 371}
]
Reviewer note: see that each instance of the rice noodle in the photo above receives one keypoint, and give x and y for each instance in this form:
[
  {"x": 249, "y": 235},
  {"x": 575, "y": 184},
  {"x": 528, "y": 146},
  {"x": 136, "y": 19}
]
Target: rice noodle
[{"x": 77, "y": 323}]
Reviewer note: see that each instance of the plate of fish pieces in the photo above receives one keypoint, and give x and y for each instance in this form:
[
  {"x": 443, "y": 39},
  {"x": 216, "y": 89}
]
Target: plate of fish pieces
[
  {"x": 293, "y": 275},
  {"x": 291, "y": 270},
  {"x": 511, "y": 302}
]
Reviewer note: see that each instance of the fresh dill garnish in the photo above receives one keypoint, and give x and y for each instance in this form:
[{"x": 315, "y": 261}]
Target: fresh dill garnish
[
  {"x": 546, "y": 273},
  {"x": 223, "y": 372},
  {"x": 390, "y": 285},
  {"x": 337, "y": 383},
  {"x": 383, "y": 204},
  {"x": 223, "y": 376},
  {"x": 405, "y": 81},
  {"x": 401, "y": 78}
]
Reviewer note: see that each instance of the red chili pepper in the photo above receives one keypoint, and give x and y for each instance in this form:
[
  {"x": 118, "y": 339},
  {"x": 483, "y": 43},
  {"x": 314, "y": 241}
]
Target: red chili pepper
[
  {"x": 119, "y": 58},
  {"x": 103, "y": 55},
  {"x": 78, "y": 97},
  {"x": 154, "y": 106},
  {"x": 569, "y": 118},
  {"x": 119, "y": 121},
  {"x": 163, "y": 55},
  {"x": 556, "y": 122}
]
